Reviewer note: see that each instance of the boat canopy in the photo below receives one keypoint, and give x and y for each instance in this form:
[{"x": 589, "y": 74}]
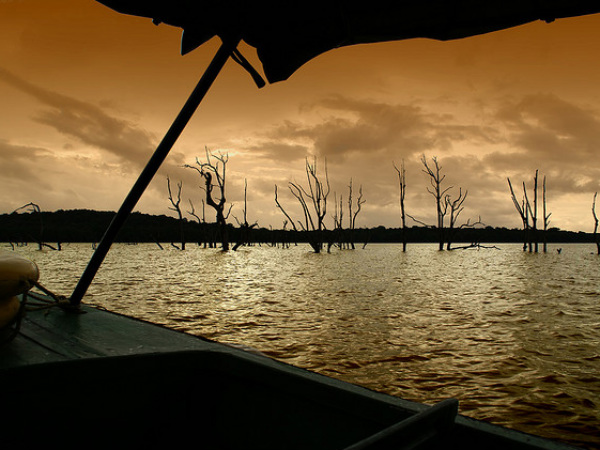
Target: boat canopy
[{"x": 287, "y": 34}]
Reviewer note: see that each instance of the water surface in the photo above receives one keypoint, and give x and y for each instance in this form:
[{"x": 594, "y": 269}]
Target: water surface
[{"x": 514, "y": 336}]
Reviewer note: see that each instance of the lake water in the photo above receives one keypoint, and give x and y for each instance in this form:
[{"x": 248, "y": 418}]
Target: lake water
[{"x": 514, "y": 336}]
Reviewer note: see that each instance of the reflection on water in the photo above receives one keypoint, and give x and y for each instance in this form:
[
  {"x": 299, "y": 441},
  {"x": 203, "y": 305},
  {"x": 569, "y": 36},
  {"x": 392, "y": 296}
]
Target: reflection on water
[{"x": 514, "y": 336}]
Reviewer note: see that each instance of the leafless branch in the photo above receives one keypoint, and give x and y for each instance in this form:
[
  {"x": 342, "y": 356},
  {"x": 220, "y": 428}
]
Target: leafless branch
[
  {"x": 29, "y": 206},
  {"x": 174, "y": 202},
  {"x": 359, "y": 203},
  {"x": 177, "y": 208},
  {"x": 193, "y": 212},
  {"x": 289, "y": 219},
  {"x": 418, "y": 221}
]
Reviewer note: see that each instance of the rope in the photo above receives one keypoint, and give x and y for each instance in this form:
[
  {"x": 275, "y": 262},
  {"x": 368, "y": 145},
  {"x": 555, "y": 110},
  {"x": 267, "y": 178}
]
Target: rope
[
  {"x": 44, "y": 302},
  {"x": 33, "y": 301}
]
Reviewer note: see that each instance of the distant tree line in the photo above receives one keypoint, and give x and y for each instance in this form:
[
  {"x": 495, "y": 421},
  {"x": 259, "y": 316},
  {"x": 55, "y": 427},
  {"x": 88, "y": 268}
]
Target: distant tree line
[{"x": 88, "y": 226}]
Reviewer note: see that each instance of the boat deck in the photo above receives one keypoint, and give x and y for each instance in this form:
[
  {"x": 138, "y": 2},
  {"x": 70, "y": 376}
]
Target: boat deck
[{"x": 55, "y": 335}]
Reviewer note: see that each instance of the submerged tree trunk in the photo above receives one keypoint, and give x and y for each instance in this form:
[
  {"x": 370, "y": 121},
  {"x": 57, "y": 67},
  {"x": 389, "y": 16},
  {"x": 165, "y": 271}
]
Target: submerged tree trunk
[
  {"x": 176, "y": 207},
  {"x": 245, "y": 227},
  {"x": 436, "y": 179},
  {"x": 546, "y": 215},
  {"x": 596, "y": 237},
  {"x": 353, "y": 214},
  {"x": 402, "y": 183}
]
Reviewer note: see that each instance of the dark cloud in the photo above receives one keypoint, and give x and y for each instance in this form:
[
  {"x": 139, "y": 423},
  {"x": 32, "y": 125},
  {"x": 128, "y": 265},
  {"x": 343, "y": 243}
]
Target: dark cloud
[
  {"x": 22, "y": 163},
  {"x": 24, "y": 179},
  {"x": 87, "y": 123},
  {"x": 558, "y": 137},
  {"x": 362, "y": 127},
  {"x": 551, "y": 128},
  {"x": 276, "y": 150}
]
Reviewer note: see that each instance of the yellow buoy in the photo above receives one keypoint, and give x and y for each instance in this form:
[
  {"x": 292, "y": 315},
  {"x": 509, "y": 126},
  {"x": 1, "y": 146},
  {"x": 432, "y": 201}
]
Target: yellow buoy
[
  {"x": 17, "y": 274},
  {"x": 9, "y": 308}
]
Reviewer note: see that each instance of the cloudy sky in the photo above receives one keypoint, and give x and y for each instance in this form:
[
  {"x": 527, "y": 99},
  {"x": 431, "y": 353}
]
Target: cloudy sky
[{"x": 86, "y": 95}]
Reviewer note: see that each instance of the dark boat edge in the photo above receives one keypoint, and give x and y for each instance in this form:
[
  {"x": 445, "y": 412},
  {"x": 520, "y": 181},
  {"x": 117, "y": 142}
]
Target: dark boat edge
[{"x": 96, "y": 346}]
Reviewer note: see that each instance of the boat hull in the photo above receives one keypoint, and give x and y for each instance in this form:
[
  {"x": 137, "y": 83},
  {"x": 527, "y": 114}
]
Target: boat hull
[{"x": 160, "y": 387}]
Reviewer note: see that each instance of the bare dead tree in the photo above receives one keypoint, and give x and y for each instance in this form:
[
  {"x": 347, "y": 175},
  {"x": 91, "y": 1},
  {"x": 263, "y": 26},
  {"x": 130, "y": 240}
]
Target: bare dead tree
[
  {"x": 315, "y": 195},
  {"x": 353, "y": 214},
  {"x": 341, "y": 213},
  {"x": 596, "y": 237},
  {"x": 529, "y": 216},
  {"x": 528, "y": 233},
  {"x": 522, "y": 210},
  {"x": 533, "y": 211},
  {"x": 402, "y": 184},
  {"x": 282, "y": 236},
  {"x": 245, "y": 227},
  {"x": 546, "y": 215},
  {"x": 308, "y": 223},
  {"x": 213, "y": 171},
  {"x": 289, "y": 219},
  {"x": 445, "y": 205},
  {"x": 317, "y": 192},
  {"x": 456, "y": 207},
  {"x": 177, "y": 208},
  {"x": 337, "y": 216},
  {"x": 438, "y": 192},
  {"x": 207, "y": 239},
  {"x": 35, "y": 209},
  {"x": 528, "y": 210}
]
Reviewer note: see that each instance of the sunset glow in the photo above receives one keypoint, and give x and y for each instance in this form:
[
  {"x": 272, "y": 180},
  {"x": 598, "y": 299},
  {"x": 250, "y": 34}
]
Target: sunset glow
[{"x": 88, "y": 93}]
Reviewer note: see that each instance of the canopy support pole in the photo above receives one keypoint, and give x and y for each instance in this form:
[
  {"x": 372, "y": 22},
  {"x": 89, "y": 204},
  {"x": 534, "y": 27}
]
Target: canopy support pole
[{"x": 225, "y": 51}]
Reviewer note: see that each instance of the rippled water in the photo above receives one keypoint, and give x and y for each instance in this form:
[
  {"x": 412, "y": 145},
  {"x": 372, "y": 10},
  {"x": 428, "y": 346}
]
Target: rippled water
[{"x": 514, "y": 336}]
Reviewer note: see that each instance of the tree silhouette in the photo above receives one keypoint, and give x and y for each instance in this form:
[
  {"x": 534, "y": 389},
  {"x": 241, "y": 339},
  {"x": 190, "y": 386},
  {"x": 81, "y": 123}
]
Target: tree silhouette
[
  {"x": 438, "y": 192},
  {"x": 338, "y": 217},
  {"x": 213, "y": 171},
  {"x": 522, "y": 210},
  {"x": 528, "y": 211},
  {"x": 313, "y": 201},
  {"x": 352, "y": 214},
  {"x": 245, "y": 227},
  {"x": 546, "y": 215},
  {"x": 402, "y": 183},
  {"x": 177, "y": 209},
  {"x": 455, "y": 207},
  {"x": 596, "y": 238},
  {"x": 34, "y": 209}
]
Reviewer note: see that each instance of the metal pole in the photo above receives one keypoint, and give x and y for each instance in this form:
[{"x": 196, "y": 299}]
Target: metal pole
[{"x": 161, "y": 152}]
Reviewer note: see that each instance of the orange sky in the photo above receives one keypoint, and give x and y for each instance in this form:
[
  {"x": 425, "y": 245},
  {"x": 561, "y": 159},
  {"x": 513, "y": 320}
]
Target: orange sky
[{"x": 88, "y": 93}]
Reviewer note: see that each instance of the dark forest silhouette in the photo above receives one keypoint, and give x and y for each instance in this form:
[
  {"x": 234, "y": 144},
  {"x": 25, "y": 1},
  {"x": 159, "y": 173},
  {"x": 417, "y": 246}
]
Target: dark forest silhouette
[{"x": 88, "y": 226}]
